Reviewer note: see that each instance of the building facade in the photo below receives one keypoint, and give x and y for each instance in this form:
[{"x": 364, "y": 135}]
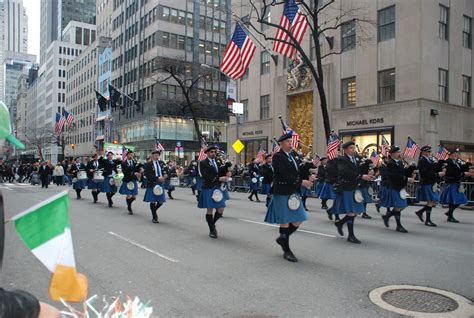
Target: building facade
[{"x": 408, "y": 73}]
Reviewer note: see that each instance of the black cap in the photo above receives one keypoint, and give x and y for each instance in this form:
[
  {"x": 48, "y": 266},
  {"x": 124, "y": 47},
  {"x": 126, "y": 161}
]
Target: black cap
[
  {"x": 426, "y": 148},
  {"x": 110, "y": 153},
  {"x": 156, "y": 151},
  {"x": 394, "y": 149},
  {"x": 268, "y": 156},
  {"x": 453, "y": 150},
  {"x": 285, "y": 137},
  {"x": 348, "y": 144},
  {"x": 323, "y": 158},
  {"x": 209, "y": 148}
]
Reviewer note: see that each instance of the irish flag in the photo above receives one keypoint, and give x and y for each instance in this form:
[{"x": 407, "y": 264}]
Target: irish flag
[{"x": 46, "y": 231}]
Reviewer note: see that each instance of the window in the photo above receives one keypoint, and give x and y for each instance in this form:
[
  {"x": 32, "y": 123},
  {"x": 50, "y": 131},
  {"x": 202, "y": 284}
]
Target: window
[
  {"x": 348, "y": 92},
  {"x": 466, "y": 90},
  {"x": 264, "y": 107},
  {"x": 266, "y": 18},
  {"x": 443, "y": 22},
  {"x": 245, "y": 116},
  {"x": 173, "y": 40},
  {"x": 264, "y": 63},
  {"x": 386, "y": 24},
  {"x": 386, "y": 86},
  {"x": 181, "y": 40},
  {"x": 348, "y": 35},
  {"x": 467, "y": 33},
  {"x": 443, "y": 85}
]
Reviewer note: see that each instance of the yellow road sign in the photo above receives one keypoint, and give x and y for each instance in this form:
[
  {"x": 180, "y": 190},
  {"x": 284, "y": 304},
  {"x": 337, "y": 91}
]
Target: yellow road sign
[{"x": 238, "y": 146}]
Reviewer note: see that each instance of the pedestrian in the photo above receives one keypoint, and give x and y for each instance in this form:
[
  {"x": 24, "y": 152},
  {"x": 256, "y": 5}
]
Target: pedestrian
[
  {"x": 59, "y": 174},
  {"x": 44, "y": 172}
]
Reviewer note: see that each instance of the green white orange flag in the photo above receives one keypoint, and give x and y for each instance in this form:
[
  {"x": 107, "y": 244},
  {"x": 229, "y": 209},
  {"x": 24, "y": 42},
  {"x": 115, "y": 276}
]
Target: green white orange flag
[{"x": 46, "y": 231}]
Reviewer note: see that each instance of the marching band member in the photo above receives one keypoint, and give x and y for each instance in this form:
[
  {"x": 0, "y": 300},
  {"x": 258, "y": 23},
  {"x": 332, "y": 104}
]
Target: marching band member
[
  {"x": 267, "y": 173},
  {"x": 285, "y": 206},
  {"x": 192, "y": 174},
  {"x": 78, "y": 185},
  {"x": 129, "y": 187},
  {"x": 349, "y": 199},
  {"x": 383, "y": 181},
  {"x": 327, "y": 190},
  {"x": 93, "y": 184},
  {"x": 110, "y": 169},
  {"x": 365, "y": 167},
  {"x": 170, "y": 171},
  {"x": 395, "y": 194},
  {"x": 254, "y": 173},
  {"x": 211, "y": 196},
  {"x": 321, "y": 175},
  {"x": 155, "y": 192},
  {"x": 453, "y": 192},
  {"x": 305, "y": 172},
  {"x": 429, "y": 178}
]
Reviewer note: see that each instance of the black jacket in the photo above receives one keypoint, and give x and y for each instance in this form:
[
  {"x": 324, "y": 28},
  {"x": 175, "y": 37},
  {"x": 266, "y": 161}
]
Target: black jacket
[
  {"x": 150, "y": 174},
  {"x": 170, "y": 172},
  {"x": 267, "y": 173},
  {"x": 348, "y": 176},
  {"x": 45, "y": 171},
  {"x": 322, "y": 173},
  {"x": 108, "y": 166},
  {"x": 74, "y": 169},
  {"x": 90, "y": 166},
  {"x": 254, "y": 171},
  {"x": 383, "y": 175},
  {"x": 331, "y": 171},
  {"x": 397, "y": 175},
  {"x": 304, "y": 170},
  {"x": 209, "y": 173},
  {"x": 428, "y": 171},
  {"x": 454, "y": 171},
  {"x": 365, "y": 165},
  {"x": 129, "y": 171},
  {"x": 286, "y": 177}
]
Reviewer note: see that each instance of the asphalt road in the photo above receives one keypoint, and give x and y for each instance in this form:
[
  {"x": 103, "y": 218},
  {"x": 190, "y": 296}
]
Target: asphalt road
[{"x": 183, "y": 272}]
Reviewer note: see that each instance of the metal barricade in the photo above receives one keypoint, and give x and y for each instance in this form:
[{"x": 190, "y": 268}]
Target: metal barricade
[{"x": 240, "y": 183}]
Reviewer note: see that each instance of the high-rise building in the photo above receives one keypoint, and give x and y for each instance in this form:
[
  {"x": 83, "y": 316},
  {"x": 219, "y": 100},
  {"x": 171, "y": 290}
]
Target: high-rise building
[{"x": 406, "y": 73}]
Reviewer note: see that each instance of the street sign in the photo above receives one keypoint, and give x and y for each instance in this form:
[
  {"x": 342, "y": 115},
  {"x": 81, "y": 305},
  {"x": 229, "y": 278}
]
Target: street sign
[
  {"x": 238, "y": 146},
  {"x": 238, "y": 108}
]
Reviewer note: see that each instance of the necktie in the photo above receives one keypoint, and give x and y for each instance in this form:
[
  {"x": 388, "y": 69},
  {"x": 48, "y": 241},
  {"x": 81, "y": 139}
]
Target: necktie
[
  {"x": 214, "y": 164},
  {"x": 157, "y": 169},
  {"x": 293, "y": 160}
]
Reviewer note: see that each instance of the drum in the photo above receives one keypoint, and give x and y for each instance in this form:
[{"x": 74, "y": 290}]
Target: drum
[
  {"x": 98, "y": 176},
  {"x": 223, "y": 186},
  {"x": 117, "y": 180},
  {"x": 194, "y": 181},
  {"x": 130, "y": 185},
  {"x": 81, "y": 175},
  {"x": 403, "y": 194},
  {"x": 358, "y": 196},
  {"x": 461, "y": 188},
  {"x": 254, "y": 180},
  {"x": 370, "y": 191},
  {"x": 158, "y": 190},
  {"x": 174, "y": 181},
  {"x": 111, "y": 181},
  {"x": 261, "y": 179},
  {"x": 217, "y": 195},
  {"x": 294, "y": 202},
  {"x": 435, "y": 187},
  {"x": 74, "y": 180}
]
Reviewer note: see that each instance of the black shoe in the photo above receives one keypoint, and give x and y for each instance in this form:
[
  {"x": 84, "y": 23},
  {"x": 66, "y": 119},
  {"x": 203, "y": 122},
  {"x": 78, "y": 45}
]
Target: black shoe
[
  {"x": 280, "y": 242},
  {"x": 366, "y": 216},
  {"x": 420, "y": 215},
  {"x": 339, "y": 228},
  {"x": 289, "y": 256},
  {"x": 130, "y": 210},
  {"x": 171, "y": 197},
  {"x": 401, "y": 229},
  {"x": 324, "y": 207},
  {"x": 110, "y": 205},
  {"x": 213, "y": 234},
  {"x": 447, "y": 214},
  {"x": 385, "y": 220},
  {"x": 329, "y": 214},
  {"x": 258, "y": 200},
  {"x": 429, "y": 223},
  {"x": 306, "y": 209},
  {"x": 452, "y": 220},
  {"x": 353, "y": 239},
  {"x": 155, "y": 221},
  {"x": 377, "y": 207},
  {"x": 250, "y": 198}
]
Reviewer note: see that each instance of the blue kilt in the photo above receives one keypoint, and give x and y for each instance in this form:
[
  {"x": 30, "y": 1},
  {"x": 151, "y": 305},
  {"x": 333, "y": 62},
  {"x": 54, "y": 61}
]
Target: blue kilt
[
  {"x": 205, "y": 200},
  {"x": 106, "y": 187},
  {"x": 391, "y": 199},
  {"x": 278, "y": 211},
  {"x": 345, "y": 203},
  {"x": 199, "y": 182},
  {"x": 254, "y": 186},
  {"x": 327, "y": 192},
  {"x": 266, "y": 188},
  {"x": 381, "y": 192},
  {"x": 168, "y": 186},
  {"x": 319, "y": 188},
  {"x": 151, "y": 197},
  {"x": 305, "y": 192},
  {"x": 425, "y": 193},
  {"x": 79, "y": 184},
  {"x": 367, "y": 196},
  {"x": 450, "y": 195},
  {"x": 91, "y": 184},
  {"x": 124, "y": 190}
]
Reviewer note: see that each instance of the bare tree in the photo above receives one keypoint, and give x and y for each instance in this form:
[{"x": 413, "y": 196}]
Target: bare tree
[
  {"x": 322, "y": 17},
  {"x": 39, "y": 138}
]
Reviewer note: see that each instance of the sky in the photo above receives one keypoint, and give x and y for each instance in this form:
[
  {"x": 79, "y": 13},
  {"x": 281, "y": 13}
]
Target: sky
[{"x": 33, "y": 11}]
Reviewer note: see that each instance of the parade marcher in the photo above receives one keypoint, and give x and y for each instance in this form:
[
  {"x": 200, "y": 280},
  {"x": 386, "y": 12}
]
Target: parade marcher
[
  {"x": 383, "y": 181},
  {"x": 129, "y": 187},
  {"x": 321, "y": 175},
  {"x": 77, "y": 184},
  {"x": 170, "y": 171},
  {"x": 254, "y": 173},
  {"x": 93, "y": 185},
  {"x": 394, "y": 197},
  {"x": 349, "y": 199},
  {"x": 429, "y": 178},
  {"x": 453, "y": 192},
  {"x": 110, "y": 170},
  {"x": 155, "y": 192},
  {"x": 286, "y": 208},
  {"x": 306, "y": 169},
  {"x": 193, "y": 174},
  {"x": 211, "y": 196},
  {"x": 327, "y": 190},
  {"x": 267, "y": 173},
  {"x": 366, "y": 166}
]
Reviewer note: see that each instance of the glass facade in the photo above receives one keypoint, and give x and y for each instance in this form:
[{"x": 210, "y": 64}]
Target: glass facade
[{"x": 368, "y": 141}]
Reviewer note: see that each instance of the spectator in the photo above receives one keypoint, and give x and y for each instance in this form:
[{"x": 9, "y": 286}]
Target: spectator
[
  {"x": 59, "y": 174},
  {"x": 45, "y": 172}
]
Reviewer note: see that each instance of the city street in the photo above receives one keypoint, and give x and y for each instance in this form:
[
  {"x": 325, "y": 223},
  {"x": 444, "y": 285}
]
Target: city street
[{"x": 183, "y": 272}]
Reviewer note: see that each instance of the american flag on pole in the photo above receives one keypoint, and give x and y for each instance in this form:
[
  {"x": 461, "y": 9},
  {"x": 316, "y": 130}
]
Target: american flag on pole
[
  {"x": 295, "y": 137},
  {"x": 124, "y": 153},
  {"x": 69, "y": 117},
  {"x": 238, "y": 54},
  {"x": 60, "y": 121},
  {"x": 375, "y": 157},
  {"x": 276, "y": 147},
  {"x": 260, "y": 154},
  {"x": 294, "y": 21},
  {"x": 385, "y": 147},
  {"x": 202, "y": 154},
  {"x": 333, "y": 146},
  {"x": 442, "y": 153},
  {"x": 410, "y": 149},
  {"x": 158, "y": 145}
]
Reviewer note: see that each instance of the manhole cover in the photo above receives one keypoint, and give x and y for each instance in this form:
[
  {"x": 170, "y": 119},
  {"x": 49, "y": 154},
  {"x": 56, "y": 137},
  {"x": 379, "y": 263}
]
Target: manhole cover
[{"x": 419, "y": 301}]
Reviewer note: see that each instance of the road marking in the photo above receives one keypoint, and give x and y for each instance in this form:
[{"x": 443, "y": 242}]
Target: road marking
[
  {"x": 169, "y": 259},
  {"x": 273, "y": 225}
]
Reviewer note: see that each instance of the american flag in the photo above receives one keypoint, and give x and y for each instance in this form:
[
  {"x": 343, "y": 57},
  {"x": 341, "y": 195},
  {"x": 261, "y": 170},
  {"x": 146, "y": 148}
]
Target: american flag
[
  {"x": 202, "y": 154},
  {"x": 295, "y": 137},
  {"x": 276, "y": 147},
  {"x": 238, "y": 54},
  {"x": 442, "y": 153},
  {"x": 410, "y": 149},
  {"x": 333, "y": 146},
  {"x": 158, "y": 145},
  {"x": 374, "y": 157},
  {"x": 69, "y": 117},
  {"x": 293, "y": 21},
  {"x": 124, "y": 153},
  {"x": 60, "y": 121},
  {"x": 260, "y": 154},
  {"x": 385, "y": 147}
]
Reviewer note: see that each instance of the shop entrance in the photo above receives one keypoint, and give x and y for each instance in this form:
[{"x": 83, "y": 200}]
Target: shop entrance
[
  {"x": 251, "y": 149},
  {"x": 368, "y": 140}
]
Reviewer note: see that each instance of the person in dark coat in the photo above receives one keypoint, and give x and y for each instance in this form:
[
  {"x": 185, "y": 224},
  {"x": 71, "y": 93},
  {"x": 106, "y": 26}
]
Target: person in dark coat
[
  {"x": 110, "y": 170},
  {"x": 77, "y": 185},
  {"x": 45, "y": 172},
  {"x": 129, "y": 187},
  {"x": 267, "y": 174},
  {"x": 254, "y": 172},
  {"x": 155, "y": 191}
]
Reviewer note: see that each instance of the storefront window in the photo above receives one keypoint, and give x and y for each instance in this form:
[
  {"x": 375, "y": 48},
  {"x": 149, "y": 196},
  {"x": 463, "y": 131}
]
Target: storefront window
[
  {"x": 251, "y": 149},
  {"x": 367, "y": 141}
]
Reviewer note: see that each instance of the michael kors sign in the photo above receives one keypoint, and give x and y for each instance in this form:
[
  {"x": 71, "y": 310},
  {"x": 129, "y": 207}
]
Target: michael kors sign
[{"x": 363, "y": 122}]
